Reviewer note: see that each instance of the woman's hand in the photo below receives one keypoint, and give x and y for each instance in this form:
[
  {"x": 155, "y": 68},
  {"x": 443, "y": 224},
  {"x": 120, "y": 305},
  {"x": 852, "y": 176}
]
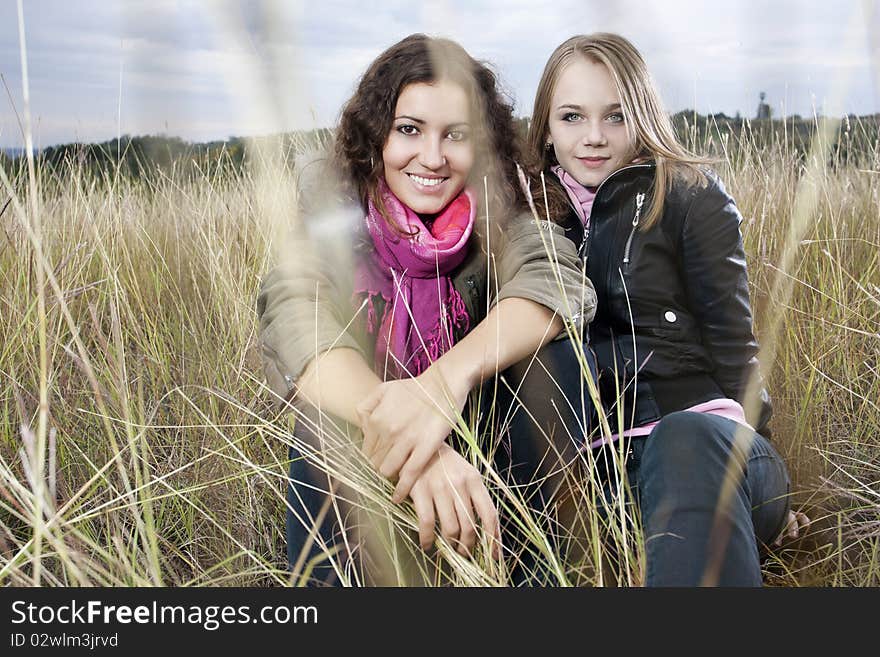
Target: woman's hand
[
  {"x": 405, "y": 421},
  {"x": 454, "y": 489},
  {"x": 796, "y": 523}
]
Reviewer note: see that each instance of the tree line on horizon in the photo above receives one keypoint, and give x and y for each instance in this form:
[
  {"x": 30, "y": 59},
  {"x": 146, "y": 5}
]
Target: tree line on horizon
[{"x": 145, "y": 157}]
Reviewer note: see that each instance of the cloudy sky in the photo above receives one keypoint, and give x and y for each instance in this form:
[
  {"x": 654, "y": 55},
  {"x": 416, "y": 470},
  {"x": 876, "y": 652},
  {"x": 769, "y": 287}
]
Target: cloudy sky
[{"x": 208, "y": 69}]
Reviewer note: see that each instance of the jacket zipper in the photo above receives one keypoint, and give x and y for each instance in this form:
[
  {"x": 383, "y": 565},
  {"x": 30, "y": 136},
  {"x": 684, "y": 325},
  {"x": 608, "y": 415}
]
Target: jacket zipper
[
  {"x": 640, "y": 199},
  {"x": 584, "y": 249}
]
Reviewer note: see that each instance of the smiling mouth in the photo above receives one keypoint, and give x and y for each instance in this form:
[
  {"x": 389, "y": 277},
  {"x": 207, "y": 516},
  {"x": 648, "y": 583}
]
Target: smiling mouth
[
  {"x": 593, "y": 162},
  {"x": 426, "y": 182}
]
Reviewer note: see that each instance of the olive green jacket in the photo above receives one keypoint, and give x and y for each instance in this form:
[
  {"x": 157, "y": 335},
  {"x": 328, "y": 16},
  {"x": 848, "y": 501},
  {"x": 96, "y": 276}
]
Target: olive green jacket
[{"x": 305, "y": 303}]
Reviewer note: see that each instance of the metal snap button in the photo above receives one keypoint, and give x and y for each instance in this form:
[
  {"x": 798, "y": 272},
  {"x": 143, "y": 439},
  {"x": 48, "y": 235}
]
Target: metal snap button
[{"x": 670, "y": 316}]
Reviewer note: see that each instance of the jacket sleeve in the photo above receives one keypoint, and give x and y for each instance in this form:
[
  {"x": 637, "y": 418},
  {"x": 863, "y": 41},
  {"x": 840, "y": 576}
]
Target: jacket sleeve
[
  {"x": 538, "y": 262},
  {"x": 714, "y": 266},
  {"x": 302, "y": 306}
]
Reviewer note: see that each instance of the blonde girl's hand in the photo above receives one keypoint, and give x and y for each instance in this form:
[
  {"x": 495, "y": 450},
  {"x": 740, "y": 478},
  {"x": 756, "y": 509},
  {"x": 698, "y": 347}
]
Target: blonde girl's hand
[
  {"x": 797, "y": 522},
  {"x": 405, "y": 421},
  {"x": 452, "y": 491}
]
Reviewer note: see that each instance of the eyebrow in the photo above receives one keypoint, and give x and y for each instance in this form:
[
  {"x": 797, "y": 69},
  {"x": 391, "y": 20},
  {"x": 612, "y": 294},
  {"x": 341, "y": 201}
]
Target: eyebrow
[
  {"x": 607, "y": 108},
  {"x": 457, "y": 124}
]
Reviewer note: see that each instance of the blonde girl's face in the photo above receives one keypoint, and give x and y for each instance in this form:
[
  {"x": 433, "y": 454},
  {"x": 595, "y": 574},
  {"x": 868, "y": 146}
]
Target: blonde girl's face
[
  {"x": 429, "y": 152},
  {"x": 586, "y": 124}
]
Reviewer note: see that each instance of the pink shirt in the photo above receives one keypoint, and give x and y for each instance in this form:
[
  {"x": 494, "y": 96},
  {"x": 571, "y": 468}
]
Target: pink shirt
[
  {"x": 729, "y": 408},
  {"x": 581, "y": 197}
]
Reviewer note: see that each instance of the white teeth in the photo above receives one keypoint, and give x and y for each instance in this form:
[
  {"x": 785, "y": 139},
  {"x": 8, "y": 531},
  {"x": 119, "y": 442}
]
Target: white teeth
[{"x": 427, "y": 182}]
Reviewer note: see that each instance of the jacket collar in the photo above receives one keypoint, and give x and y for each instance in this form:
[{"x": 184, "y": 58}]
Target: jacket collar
[
  {"x": 621, "y": 180},
  {"x": 611, "y": 188}
]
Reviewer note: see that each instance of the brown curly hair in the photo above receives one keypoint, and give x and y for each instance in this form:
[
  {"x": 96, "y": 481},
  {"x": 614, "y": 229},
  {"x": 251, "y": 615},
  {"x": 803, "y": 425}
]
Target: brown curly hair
[{"x": 369, "y": 114}]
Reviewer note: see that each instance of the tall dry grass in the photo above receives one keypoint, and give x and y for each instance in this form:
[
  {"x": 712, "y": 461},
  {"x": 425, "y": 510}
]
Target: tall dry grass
[
  {"x": 819, "y": 212},
  {"x": 162, "y": 459}
]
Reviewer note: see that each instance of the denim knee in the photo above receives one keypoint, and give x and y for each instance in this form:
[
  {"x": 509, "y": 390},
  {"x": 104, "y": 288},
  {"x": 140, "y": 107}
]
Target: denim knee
[
  {"x": 685, "y": 466},
  {"x": 685, "y": 446},
  {"x": 769, "y": 489},
  {"x": 686, "y": 461}
]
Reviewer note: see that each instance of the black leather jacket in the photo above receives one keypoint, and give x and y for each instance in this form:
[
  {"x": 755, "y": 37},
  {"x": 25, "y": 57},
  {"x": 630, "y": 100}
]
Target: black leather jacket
[{"x": 673, "y": 323}]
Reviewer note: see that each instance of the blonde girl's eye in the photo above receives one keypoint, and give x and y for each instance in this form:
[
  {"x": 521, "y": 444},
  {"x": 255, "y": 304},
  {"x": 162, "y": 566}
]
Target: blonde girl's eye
[
  {"x": 617, "y": 117},
  {"x": 571, "y": 117}
]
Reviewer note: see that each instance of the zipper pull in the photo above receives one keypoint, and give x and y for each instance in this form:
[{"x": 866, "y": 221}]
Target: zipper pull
[
  {"x": 582, "y": 249},
  {"x": 640, "y": 199}
]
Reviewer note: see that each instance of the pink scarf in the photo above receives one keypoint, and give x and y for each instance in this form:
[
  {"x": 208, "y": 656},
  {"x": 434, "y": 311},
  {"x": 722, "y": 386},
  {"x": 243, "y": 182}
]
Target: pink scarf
[
  {"x": 411, "y": 274},
  {"x": 581, "y": 197}
]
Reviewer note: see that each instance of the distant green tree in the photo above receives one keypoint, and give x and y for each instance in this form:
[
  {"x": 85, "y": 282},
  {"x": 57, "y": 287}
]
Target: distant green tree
[{"x": 145, "y": 157}]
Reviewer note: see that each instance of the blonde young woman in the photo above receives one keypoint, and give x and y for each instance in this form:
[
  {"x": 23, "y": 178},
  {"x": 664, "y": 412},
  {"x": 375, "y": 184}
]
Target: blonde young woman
[
  {"x": 404, "y": 288},
  {"x": 673, "y": 329}
]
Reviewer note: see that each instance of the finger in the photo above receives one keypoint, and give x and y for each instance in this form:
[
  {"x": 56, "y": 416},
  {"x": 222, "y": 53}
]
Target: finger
[
  {"x": 370, "y": 435},
  {"x": 800, "y": 523},
  {"x": 803, "y": 521},
  {"x": 384, "y": 444},
  {"x": 792, "y": 525},
  {"x": 445, "y": 506},
  {"x": 788, "y": 520},
  {"x": 467, "y": 535},
  {"x": 364, "y": 412},
  {"x": 392, "y": 463},
  {"x": 424, "y": 507},
  {"x": 372, "y": 429},
  {"x": 411, "y": 470},
  {"x": 488, "y": 516}
]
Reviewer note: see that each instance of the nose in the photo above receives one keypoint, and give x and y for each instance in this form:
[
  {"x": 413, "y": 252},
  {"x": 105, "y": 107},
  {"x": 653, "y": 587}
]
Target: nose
[
  {"x": 431, "y": 153},
  {"x": 594, "y": 134}
]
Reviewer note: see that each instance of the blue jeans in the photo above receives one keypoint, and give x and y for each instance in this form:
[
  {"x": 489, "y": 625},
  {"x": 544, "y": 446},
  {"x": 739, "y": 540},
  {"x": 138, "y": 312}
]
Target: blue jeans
[{"x": 676, "y": 475}]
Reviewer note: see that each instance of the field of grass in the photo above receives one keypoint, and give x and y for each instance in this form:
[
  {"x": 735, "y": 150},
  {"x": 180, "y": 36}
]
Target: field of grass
[{"x": 140, "y": 446}]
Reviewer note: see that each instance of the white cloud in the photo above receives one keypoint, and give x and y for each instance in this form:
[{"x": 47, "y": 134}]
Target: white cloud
[{"x": 247, "y": 66}]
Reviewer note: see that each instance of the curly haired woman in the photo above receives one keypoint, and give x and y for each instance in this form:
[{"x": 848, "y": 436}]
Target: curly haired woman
[{"x": 416, "y": 275}]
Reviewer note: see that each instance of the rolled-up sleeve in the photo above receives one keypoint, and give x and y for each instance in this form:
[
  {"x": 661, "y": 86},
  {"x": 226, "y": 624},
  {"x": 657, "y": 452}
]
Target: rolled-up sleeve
[
  {"x": 301, "y": 314},
  {"x": 303, "y": 305}
]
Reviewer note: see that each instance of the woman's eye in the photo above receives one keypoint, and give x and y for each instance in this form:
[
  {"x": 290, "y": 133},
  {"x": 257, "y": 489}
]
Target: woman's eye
[
  {"x": 617, "y": 117},
  {"x": 571, "y": 117},
  {"x": 407, "y": 129},
  {"x": 456, "y": 135}
]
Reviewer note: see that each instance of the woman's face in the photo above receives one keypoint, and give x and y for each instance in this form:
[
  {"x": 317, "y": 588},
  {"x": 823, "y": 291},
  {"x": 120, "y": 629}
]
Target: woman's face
[
  {"x": 586, "y": 123},
  {"x": 429, "y": 153}
]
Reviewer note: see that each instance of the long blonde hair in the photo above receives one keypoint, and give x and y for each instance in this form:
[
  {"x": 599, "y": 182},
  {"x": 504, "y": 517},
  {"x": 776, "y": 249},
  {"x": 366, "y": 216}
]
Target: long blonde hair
[{"x": 646, "y": 120}]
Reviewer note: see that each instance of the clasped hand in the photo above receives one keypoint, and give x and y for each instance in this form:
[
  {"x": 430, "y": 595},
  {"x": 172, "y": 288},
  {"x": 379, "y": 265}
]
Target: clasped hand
[{"x": 404, "y": 423}]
